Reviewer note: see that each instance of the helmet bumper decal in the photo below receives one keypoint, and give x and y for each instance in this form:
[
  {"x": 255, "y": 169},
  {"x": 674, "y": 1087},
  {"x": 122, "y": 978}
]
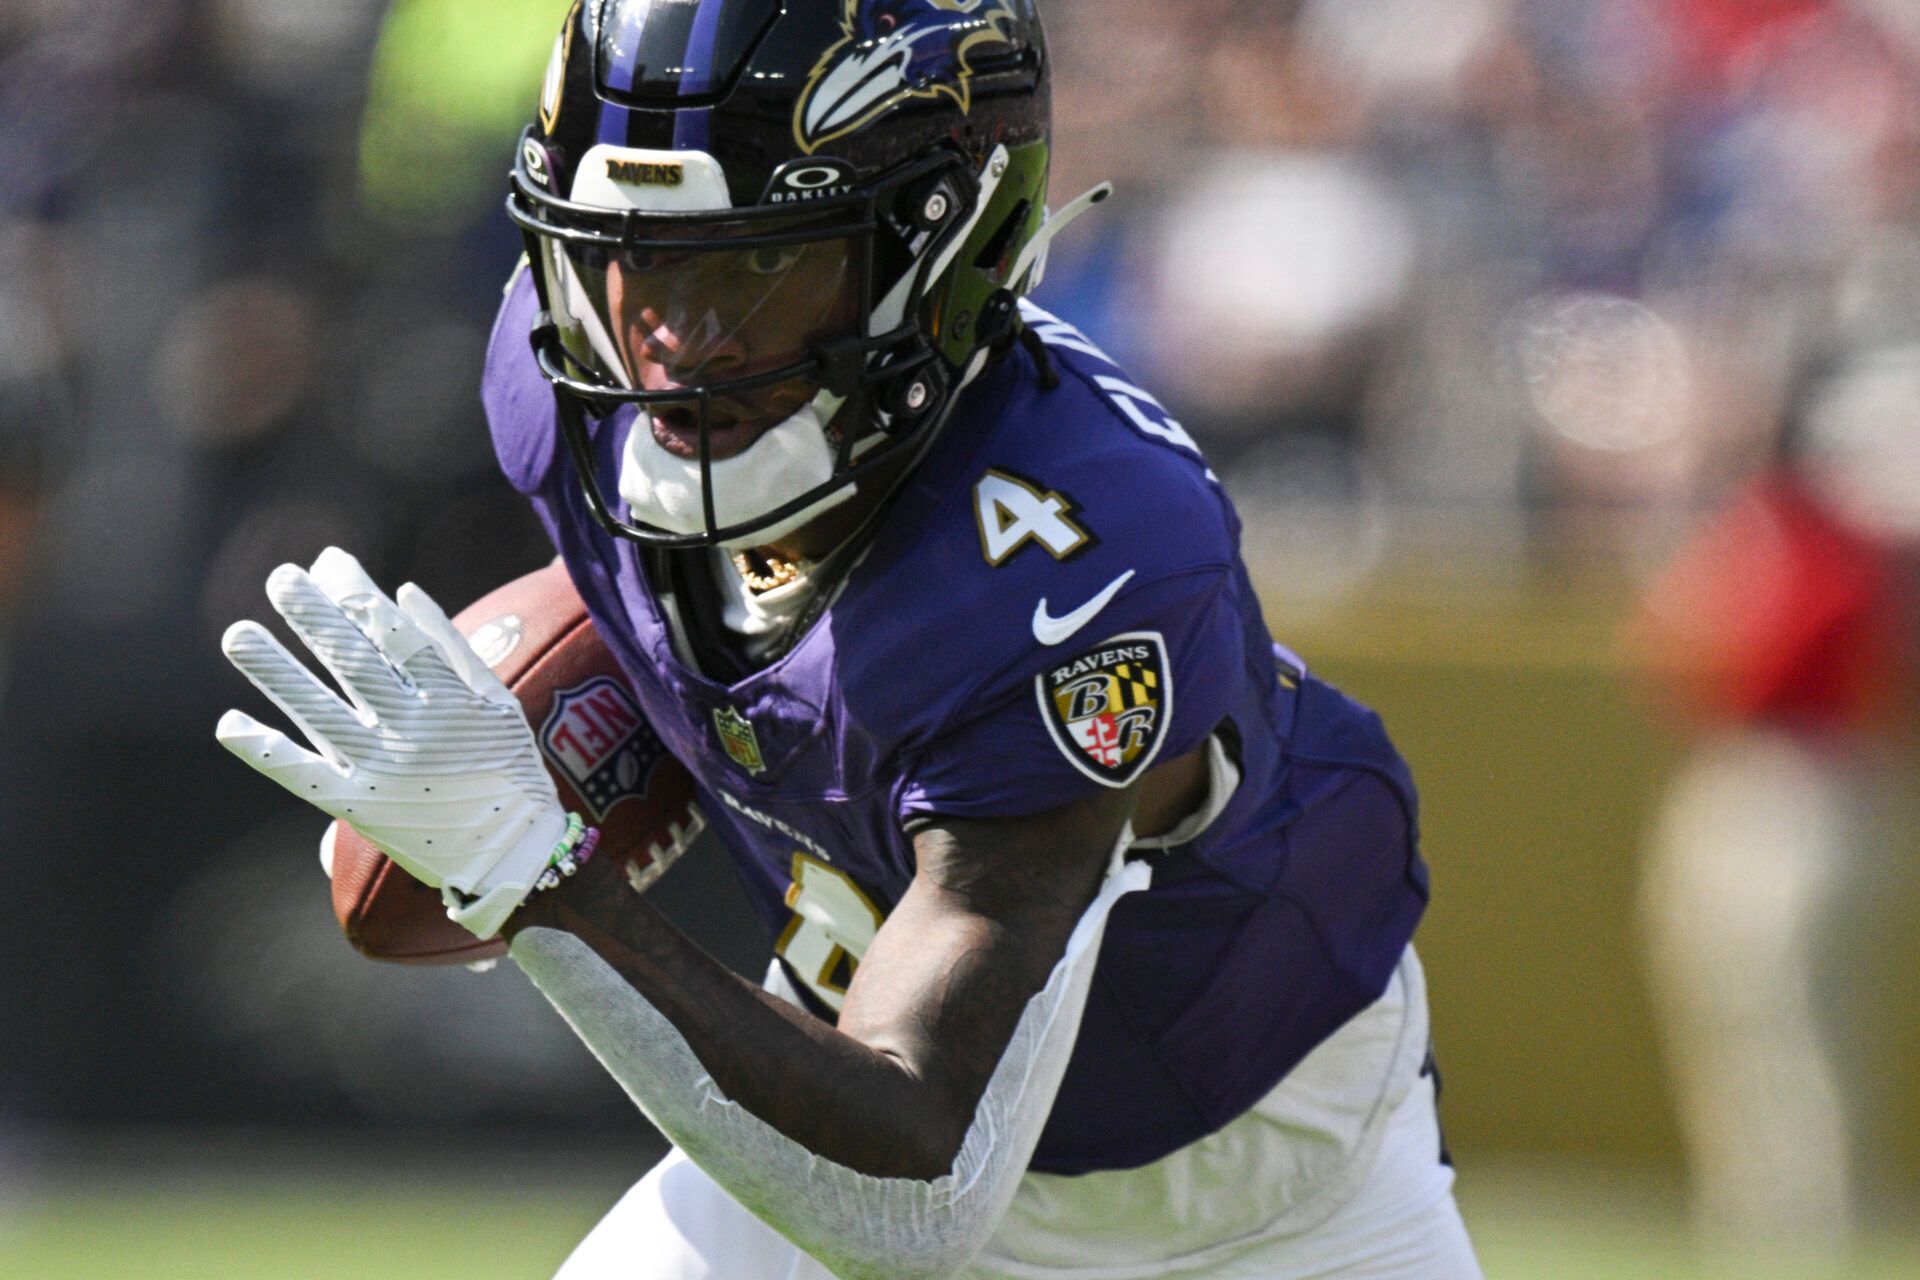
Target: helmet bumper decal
[{"x": 649, "y": 180}]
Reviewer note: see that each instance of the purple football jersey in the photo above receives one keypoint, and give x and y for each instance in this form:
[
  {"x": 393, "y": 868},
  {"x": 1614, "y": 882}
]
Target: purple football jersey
[{"x": 1053, "y": 602}]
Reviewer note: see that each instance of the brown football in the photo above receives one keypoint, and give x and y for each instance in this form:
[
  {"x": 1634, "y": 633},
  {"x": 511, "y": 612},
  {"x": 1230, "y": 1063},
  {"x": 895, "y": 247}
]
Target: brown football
[{"x": 607, "y": 764}]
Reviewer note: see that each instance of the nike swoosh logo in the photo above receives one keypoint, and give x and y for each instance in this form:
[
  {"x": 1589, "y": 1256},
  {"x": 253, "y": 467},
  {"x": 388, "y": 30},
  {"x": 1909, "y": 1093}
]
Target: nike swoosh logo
[{"x": 1051, "y": 630}]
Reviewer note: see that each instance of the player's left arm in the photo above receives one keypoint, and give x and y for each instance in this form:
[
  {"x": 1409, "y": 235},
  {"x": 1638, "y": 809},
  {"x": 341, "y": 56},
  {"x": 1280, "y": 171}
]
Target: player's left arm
[
  {"x": 890, "y": 1145},
  {"x": 932, "y": 1006}
]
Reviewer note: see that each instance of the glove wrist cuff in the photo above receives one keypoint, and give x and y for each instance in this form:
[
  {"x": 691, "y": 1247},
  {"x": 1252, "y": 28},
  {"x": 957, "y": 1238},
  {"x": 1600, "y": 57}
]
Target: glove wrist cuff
[
  {"x": 485, "y": 915},
  {"x": 554, "y": 846}
]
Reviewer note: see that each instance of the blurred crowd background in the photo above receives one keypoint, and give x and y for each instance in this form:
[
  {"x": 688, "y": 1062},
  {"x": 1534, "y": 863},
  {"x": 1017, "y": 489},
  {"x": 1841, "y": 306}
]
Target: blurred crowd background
[{"x": 1563, "y": 357}]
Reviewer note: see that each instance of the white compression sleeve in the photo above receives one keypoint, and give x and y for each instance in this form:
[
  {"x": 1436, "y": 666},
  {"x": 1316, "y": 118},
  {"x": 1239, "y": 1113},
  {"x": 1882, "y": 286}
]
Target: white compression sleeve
[{"x": 860, "y": 1227}]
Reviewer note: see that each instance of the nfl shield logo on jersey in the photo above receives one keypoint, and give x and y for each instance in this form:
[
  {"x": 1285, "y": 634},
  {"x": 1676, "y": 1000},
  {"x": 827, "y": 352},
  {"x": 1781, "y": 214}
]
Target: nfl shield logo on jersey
[
  {"x": 1108, "y": 708},
  {"x": 596, "y": 736},
  {"x": 736, "y": 735}
]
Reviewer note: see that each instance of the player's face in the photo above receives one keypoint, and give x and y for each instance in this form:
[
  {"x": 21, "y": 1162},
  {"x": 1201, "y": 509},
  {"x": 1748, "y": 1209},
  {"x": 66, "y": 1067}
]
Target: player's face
[{"x": 687, "y": 317}]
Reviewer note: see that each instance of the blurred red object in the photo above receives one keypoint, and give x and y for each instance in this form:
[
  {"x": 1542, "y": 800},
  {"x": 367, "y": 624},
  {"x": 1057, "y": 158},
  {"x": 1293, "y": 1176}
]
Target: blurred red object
[
  {"x": 1776, "y": 610},
  {"x": 1718, "y": 35}
]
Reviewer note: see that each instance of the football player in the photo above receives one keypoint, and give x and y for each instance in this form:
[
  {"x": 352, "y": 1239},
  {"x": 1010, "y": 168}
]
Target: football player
[{"x": 1092, "y": 905}]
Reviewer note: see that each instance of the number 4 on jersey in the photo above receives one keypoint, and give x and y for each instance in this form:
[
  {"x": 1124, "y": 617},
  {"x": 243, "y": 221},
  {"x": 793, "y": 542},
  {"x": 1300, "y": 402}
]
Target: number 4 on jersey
[{"x": 1012, "y": 511}]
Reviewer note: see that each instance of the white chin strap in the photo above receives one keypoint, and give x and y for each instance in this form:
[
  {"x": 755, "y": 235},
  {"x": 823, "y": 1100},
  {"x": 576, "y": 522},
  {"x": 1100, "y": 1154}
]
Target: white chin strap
[{"x": 664, "y": 491}]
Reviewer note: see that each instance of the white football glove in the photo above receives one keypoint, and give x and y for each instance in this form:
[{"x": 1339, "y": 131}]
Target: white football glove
[{"x": 432, "y": 760}]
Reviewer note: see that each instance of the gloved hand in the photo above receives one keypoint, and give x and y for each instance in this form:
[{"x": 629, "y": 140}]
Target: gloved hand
[{"x": 429, "y": 756}]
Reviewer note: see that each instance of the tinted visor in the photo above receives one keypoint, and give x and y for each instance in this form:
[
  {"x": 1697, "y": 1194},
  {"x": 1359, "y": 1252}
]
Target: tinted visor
[{"x": 691, "y": 307}]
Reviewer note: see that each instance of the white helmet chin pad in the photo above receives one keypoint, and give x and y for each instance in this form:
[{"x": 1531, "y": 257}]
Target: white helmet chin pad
[{"x": 664, "y": 491}]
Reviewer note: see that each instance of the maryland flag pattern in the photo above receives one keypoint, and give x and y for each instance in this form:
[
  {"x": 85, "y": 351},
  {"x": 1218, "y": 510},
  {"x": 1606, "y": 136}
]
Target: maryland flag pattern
[{"x": 1108, "y": 708}]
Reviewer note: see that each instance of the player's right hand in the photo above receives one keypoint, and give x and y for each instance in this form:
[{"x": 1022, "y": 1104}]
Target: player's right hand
[{"x": 428, "y": 755}]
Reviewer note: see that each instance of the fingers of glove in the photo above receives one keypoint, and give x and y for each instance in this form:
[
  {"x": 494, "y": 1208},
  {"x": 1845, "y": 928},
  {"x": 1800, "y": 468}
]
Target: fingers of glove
[
  {"x": 427, "y": 614},
  {"x": 292, "y": 766},
  {"x": 324, "y": 625},
  {"x": 319, "y": 713},
  {"x": 340, "y": 576}
]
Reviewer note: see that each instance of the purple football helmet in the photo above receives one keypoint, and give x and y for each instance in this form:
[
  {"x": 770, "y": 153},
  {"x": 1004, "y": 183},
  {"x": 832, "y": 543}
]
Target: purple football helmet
[{"x": 772, "y": 241}]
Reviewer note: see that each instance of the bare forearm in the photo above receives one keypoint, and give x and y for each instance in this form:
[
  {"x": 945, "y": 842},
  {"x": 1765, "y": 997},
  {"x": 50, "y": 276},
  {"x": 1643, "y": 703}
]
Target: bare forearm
[{"x": 854, "y": 1104}]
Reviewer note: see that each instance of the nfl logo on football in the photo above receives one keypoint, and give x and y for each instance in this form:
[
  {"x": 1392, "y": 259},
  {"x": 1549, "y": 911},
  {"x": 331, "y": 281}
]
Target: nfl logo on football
[{"x": 597, "y": 738}]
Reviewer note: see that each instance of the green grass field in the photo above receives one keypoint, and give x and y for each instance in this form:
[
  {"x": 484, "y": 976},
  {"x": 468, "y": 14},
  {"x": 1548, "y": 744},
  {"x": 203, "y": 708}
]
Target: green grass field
[{"x": 279, "y": 1225}]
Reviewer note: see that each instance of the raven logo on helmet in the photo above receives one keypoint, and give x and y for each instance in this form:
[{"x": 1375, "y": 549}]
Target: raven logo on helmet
[{"x": 895, "y": 50}]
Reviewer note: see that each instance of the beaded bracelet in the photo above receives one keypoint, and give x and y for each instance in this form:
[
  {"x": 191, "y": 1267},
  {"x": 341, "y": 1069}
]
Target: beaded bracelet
[{"x": 570, "y": 853}]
